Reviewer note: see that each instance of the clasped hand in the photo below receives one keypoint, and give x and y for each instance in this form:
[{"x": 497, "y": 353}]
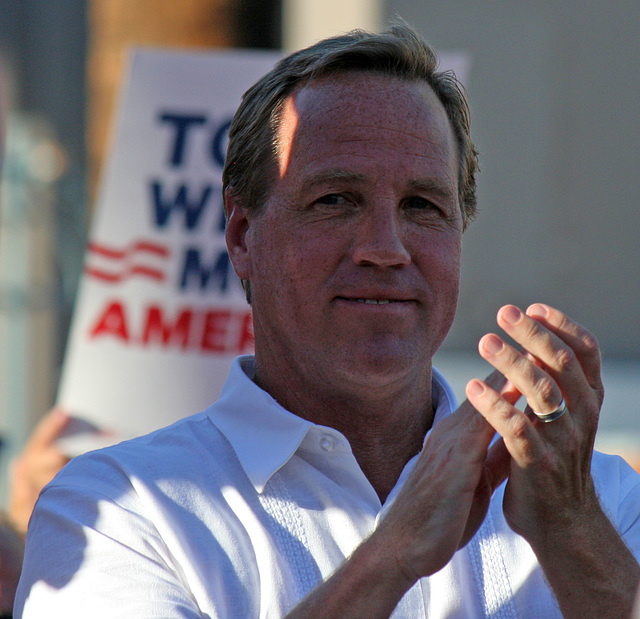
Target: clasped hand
[{"x": 446, "y": 498}]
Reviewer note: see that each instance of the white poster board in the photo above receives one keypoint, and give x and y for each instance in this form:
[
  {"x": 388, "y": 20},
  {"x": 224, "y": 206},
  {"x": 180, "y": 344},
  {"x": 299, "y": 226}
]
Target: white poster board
[{"x": 160, "y": 313}]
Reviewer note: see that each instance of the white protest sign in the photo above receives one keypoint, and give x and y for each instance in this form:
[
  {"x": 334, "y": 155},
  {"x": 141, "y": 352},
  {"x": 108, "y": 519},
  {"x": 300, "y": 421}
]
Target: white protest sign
[{"x": 160, "y": 313}]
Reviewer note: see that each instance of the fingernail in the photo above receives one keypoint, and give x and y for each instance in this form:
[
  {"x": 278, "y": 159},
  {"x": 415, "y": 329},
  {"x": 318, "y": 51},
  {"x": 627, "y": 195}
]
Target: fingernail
[
  {"x": 492, "y": 344},
  {"x": 511, "y": 314},
  {"x": 475, "y": 388},
  {"x": 537, "y": 311}
]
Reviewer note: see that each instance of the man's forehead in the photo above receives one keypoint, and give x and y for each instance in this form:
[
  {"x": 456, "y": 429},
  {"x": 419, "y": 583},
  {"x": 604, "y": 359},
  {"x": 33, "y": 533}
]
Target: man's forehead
[
  {"x": 358, "y": 87},
  {"x": 359, "y": 107}
]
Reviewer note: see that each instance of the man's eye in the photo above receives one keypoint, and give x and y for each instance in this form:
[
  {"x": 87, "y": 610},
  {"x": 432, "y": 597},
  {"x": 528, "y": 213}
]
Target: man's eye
[
  {"x": 335, "y": 201},
  {"x": 332, "y": 199},
  {"x": 421, "y": 204}
]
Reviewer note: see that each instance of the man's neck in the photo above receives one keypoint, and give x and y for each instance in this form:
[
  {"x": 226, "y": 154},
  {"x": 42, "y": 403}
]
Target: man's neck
[
  {"x": 382, "y": 456},
  {"x": 385, "y": 427}
]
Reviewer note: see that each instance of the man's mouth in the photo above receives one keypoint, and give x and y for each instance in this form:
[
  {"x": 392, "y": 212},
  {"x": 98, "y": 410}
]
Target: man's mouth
[
  {"x": 374, "y": 301},
  {"x": 370, "y": 301}
]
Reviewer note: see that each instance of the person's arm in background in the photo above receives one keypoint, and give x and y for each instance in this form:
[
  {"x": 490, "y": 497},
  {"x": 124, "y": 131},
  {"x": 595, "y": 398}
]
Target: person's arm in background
[{"x": 35, "y": 467}]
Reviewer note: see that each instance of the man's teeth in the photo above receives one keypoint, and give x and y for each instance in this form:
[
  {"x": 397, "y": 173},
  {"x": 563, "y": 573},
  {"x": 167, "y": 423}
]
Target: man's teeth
[{"x": 374, "y": 301}]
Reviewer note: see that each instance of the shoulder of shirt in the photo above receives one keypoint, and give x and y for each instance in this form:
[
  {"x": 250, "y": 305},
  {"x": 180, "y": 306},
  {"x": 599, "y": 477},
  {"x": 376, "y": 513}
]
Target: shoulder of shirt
[
  {"x": 185, "y": 444},
  {"x": 190, "y": 439},
  {"x": 613, "y": 475}
]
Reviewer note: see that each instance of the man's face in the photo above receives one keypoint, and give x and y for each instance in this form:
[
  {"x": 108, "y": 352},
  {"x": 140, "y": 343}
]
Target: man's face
[{"x": 354, "y": 260}]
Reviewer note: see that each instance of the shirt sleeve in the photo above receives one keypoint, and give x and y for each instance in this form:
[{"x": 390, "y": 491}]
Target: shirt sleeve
[
  {"x": 628, "y": 516},
  {"x": 618, "y": 487},
  {"x": 89, "y": 555}
]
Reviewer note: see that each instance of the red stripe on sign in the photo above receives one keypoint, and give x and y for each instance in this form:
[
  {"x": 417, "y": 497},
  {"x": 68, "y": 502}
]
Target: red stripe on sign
[
  {"x": 147, "y": 272},
  {"x": 152, "y": 248},
  {"x": 134, "y": 248},
  {"x": 114, "y": 278}
]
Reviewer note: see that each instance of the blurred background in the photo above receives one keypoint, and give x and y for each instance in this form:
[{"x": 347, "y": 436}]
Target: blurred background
[{"x": 554, "y": 90}]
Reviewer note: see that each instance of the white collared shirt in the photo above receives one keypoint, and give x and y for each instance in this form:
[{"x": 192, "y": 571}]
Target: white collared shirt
[{"x": 243, "y": 509}]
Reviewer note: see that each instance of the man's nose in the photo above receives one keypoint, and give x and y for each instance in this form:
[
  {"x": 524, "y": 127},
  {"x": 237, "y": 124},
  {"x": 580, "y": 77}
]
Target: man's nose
[{"x": 379, "y": 240}]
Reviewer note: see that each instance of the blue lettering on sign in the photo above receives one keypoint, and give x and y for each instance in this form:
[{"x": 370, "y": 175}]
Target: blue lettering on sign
[
  {"x": 180, "y": 124},
  {"x": 181, "y": 201},
  {"x": 213, "y": 276}
]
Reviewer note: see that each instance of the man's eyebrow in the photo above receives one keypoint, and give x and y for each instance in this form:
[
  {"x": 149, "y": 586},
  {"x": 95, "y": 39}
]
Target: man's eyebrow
[
  {"x": 434, "y": 187},
  {"x": 329, "y": 176}
]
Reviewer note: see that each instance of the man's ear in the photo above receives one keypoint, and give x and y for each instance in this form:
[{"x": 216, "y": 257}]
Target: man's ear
[{"x": 236, "y": 232}]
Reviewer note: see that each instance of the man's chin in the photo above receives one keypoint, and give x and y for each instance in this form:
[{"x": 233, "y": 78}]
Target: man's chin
[{"x": 380, "y": 366}]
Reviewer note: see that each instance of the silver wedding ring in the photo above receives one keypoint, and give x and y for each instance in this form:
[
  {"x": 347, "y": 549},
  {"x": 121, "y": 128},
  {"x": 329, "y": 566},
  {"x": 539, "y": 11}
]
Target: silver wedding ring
[{"x": 553, "y": 415}]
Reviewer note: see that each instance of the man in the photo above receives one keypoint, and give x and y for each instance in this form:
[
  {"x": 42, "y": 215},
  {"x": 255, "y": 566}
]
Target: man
[{"x": 334, "y": 478}]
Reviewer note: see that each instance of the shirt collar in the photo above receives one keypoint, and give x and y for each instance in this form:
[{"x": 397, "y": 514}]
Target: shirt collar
[
  {"x": 444, "y": 400},
  {"x": 245, "y": 411}
]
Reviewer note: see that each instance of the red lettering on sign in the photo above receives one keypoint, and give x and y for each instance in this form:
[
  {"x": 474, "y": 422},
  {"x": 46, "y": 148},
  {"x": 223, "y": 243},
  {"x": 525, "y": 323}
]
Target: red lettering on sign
[
  {"x": 214, "y": 331},
  {"x": 209, "y": 330},
  {"x": 157, "y": 330},
  {"x": 113, "y": 322}
]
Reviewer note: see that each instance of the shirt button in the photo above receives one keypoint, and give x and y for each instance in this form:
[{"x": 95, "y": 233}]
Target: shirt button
[{"x": 327, "y": 443}]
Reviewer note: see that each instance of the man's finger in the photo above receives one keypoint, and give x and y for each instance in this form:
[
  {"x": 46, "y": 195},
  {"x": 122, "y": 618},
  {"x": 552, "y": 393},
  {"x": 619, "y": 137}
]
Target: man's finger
[
  {"x": 583, "y": 394},
  {"x": 542, "y": 392},
  {"x": 499, "y": 383},
  {"x": 498, "y": 463},
  {"x": 555, "y": 355},
  {"x": 580, "y": 340},
  {"x": 466, "y": 410},
  {"x": 517, "y": 431}
]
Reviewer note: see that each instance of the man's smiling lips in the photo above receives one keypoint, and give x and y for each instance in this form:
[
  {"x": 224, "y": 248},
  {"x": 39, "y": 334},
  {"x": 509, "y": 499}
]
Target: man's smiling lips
[{"x": 376, "y": 301}]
